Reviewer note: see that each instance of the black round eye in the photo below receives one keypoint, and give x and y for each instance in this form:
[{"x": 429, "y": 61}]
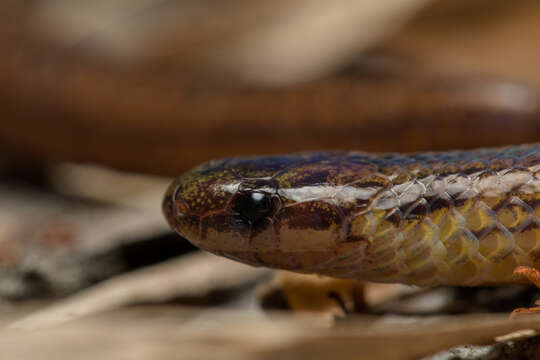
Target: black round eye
[{"x": 253, "y": 206}]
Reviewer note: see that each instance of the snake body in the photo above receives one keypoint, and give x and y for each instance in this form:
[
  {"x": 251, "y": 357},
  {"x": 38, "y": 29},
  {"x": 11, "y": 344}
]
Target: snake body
[
  {"x": 455, "y": 218},
  {"x": 163, "y": 120}
]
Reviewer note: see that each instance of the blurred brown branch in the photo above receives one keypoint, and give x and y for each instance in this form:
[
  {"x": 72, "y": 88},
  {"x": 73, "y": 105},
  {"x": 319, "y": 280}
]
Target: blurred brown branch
[{"x": 159, "y": 86}]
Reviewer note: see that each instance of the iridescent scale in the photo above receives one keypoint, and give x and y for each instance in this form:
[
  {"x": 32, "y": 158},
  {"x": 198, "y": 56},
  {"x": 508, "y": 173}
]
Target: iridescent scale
[{"x": 463, "y": 218}]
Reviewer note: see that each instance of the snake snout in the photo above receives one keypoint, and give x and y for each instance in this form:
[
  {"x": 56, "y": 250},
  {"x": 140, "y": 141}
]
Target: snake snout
[
  {"x": 179, "y": 214},
  {"x": 174, "y": 207}
]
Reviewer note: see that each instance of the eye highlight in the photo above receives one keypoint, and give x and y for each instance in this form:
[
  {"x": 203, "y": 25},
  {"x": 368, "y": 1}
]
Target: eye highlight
[{"x": 253, "y": 206}]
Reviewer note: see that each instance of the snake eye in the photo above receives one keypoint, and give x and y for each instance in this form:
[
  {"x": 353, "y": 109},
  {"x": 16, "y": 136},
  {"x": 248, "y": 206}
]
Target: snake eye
[{"x": 253, "y": 206}]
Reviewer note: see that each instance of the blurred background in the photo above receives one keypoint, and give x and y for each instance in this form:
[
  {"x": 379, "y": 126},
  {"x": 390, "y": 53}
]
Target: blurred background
[
  {"x": 160, "y": 86},
  {"x": 103, "y": 101}
]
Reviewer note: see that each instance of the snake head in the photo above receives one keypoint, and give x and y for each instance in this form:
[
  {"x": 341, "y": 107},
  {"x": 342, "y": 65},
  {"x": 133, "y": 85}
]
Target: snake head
[
  {"x": 276, "y": 211},
  {"x": 219, "y": 209}
]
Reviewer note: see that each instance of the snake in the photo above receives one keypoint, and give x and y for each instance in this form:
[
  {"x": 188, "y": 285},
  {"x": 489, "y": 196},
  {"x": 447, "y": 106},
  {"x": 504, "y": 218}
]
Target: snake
[
  {"x": 458, "y": 217},
  {"x": 464, "y": 218}
]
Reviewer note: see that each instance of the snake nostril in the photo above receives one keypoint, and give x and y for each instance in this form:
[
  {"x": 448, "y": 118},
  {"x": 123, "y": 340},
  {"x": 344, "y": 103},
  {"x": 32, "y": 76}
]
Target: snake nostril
[
  {"x": 173, "y": 205},
  {"x": 180, "y": 207}
]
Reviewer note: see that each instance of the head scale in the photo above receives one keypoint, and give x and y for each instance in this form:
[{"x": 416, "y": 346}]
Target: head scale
[{"x": 277, "y": 211}]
